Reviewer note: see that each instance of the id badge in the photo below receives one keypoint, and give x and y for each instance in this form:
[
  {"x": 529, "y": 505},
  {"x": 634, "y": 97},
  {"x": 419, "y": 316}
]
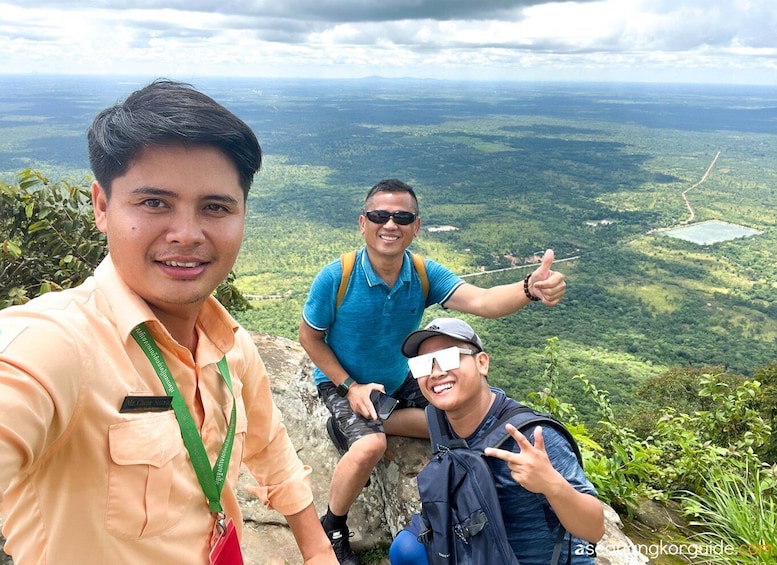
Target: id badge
[{"x": 227, "y": 548}]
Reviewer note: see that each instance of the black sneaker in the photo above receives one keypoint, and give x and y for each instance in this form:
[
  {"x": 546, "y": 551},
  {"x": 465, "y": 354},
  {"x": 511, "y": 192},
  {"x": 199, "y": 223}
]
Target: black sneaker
[
  {"x": 340, "y": 441},
  {"x": 337, "y": 437},
  {"x": 341, "y": 544}
]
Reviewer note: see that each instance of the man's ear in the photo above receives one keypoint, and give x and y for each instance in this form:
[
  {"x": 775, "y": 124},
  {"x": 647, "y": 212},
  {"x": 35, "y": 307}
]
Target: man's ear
[
  {"x": 100, "y": 205},
  {"x": 417, "y": 226},
  {"x": 482, "y": 361}
]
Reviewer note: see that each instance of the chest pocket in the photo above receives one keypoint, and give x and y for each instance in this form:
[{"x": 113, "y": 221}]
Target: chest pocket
[{"x": 148, "y": 486}]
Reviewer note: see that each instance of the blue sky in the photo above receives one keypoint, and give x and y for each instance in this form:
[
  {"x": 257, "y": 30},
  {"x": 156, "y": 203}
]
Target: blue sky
[{"x": 707, "y": 41}]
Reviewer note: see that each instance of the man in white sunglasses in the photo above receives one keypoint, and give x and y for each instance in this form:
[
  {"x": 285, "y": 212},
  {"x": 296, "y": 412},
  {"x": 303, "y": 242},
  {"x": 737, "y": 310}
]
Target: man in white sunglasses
[
  {"x": 540, "y": 483},
  {"x": 355, "y": 343}
]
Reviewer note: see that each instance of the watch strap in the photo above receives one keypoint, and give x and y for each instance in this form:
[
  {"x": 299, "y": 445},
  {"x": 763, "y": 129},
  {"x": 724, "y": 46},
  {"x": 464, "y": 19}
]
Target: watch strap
[{"x": 342, "y": 388}]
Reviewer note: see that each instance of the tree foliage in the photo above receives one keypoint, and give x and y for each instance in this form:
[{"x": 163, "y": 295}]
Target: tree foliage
[
  {"x": 767, "y": 376},
  {"x": 48, "y": 240},
  {"x": 720, "y": 427}
]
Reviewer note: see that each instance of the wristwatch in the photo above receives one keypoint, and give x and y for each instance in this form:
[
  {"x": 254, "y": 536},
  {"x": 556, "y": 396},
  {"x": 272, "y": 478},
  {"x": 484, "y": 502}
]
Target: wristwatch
[{"x": 342, "y": 389}]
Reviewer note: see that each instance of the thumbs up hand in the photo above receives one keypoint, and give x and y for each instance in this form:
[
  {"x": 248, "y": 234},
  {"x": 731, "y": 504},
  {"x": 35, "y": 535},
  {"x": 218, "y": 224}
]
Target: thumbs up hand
[{"x": 545, "y": 284}]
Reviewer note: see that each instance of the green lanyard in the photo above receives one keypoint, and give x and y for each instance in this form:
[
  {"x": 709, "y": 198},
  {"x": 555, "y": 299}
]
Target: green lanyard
[{"x": 211, "y": 480}]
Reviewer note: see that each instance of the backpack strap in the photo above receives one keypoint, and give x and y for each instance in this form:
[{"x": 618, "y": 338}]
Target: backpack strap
[
  {"x": 420, "y": 267},
  {"x": 520, "y": 416},
  {"x": 439, "y": 436},
  {"x": 348, "y": 260},
  {"x": 438, "y": 428}
]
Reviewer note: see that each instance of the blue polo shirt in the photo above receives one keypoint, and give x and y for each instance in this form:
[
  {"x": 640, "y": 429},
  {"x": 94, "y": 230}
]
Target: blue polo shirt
[{"x": 367, "y": 330}]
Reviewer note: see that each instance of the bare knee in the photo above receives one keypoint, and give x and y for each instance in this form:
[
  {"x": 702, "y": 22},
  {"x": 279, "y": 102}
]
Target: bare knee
[{"x": 368, "y": 450}]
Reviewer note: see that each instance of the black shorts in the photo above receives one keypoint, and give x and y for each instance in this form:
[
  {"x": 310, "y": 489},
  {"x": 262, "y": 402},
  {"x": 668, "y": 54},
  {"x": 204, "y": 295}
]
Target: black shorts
[{"x": 355, "y": 426}]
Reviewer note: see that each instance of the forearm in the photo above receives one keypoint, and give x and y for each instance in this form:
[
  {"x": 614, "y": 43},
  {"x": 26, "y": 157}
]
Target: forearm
[
  {"x": 542, "y": 284},
  {"x": 491, "y": 302},
  {"x": 502, "y": 300},
  {"x": 581, "y": 514},
  {"x": 310, "y": 537}
]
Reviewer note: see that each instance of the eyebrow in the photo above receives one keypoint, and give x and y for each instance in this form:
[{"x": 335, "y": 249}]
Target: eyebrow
[{"x": 154, "y": 191}]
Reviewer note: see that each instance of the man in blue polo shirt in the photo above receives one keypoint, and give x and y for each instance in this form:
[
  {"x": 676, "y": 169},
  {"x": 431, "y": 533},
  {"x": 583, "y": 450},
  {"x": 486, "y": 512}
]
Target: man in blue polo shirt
[{"x": 356, "y": 346}]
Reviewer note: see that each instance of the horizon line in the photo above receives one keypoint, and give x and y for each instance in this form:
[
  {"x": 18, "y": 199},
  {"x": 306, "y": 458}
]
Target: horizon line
[{"x": 601, "y": 81}]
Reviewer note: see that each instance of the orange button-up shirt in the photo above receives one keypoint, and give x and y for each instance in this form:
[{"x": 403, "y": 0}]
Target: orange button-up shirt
[{"x": 82, "y": 482}]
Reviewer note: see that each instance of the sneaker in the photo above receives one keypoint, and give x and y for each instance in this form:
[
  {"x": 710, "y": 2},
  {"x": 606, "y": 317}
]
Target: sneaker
[
  {"x": 342, "y": 546},
  {"x": 340, "y": 441},
  {"x": 337, "y": 437}
]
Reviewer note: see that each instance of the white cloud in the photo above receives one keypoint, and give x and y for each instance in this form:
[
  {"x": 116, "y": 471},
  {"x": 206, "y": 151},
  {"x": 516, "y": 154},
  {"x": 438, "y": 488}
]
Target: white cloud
[{"x": 729, "y": 40}]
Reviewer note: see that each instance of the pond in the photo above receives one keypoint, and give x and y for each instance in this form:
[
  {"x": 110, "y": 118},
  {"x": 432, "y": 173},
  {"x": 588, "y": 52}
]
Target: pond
[{"x": 713, "y": 231}]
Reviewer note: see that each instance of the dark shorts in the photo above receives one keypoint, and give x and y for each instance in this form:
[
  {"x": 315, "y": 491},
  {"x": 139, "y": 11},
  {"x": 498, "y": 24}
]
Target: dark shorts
[{"x": 355, "y": 426}]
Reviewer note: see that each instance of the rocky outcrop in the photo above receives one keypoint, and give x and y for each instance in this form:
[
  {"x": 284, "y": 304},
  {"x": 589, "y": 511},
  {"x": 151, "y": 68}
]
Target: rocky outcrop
[{"x": 384, "y": 507}]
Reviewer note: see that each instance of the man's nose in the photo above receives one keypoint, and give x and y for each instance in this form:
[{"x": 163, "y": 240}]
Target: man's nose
[{"x": 186, "y": 227}]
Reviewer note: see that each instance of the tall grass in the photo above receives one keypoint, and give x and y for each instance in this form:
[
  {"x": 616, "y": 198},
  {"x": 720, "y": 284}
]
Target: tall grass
[{"x": 736, "y": 517}]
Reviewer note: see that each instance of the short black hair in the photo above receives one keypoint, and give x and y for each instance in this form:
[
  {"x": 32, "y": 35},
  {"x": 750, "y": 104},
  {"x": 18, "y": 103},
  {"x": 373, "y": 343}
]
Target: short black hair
[
  {"x": 392, "y": 185},
  {"x": 166, "y": 112}
]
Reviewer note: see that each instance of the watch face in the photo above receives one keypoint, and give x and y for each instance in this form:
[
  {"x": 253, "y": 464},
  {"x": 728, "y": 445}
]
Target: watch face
[{"x": 342, "y": 389}]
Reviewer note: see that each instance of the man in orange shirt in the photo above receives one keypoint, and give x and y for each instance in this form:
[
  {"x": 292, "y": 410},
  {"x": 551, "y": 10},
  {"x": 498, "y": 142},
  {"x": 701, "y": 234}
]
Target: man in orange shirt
[{"x": 129, "y": 403}]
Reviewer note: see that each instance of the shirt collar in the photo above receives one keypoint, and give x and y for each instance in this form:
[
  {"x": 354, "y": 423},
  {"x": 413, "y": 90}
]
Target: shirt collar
[
  {"x": 129, "y": 310},
  {"x": 372, "y": 277}
]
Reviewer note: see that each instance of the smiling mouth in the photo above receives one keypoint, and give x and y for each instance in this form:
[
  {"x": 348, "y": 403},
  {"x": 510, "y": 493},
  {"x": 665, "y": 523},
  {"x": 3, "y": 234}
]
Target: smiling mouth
[
  {"x": 188, "y": 265},
  {"x": 441, "y": 388}
]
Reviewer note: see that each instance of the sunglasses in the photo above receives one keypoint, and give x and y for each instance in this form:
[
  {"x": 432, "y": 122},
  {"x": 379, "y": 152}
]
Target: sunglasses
[
  {"x": 447, "y": 359},
  {"x": 401, "y": 218}
]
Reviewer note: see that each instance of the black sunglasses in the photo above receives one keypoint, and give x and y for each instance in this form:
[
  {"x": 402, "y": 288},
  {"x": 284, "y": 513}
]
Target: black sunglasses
[{"x": 401, "y": 218}]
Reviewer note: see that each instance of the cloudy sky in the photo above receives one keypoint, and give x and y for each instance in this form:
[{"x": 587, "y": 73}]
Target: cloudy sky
[{"x": 714, "y": 41}]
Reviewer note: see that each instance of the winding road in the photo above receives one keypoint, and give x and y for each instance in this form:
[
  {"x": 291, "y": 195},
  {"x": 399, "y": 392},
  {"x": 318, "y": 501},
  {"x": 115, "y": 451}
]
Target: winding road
[{"x": 687, "y": 190}]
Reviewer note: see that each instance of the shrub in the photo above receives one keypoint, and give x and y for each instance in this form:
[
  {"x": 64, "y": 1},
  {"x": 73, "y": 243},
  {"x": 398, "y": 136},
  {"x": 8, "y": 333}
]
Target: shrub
[{"x": 48, "y": 240}]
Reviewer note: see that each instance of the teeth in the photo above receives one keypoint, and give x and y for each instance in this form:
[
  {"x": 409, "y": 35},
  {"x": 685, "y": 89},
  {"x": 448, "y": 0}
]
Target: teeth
[
  {"x": 178, "y": 264},
  {"x": 389, "y": 237},
  {"x": 439, "y": 388}
]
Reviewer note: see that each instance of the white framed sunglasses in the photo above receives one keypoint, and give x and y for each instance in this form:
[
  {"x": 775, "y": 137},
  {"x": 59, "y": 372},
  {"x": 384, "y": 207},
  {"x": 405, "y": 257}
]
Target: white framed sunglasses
[{"x": 447, "y": 359}]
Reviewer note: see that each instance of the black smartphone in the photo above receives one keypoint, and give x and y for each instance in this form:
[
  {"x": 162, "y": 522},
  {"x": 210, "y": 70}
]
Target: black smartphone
[{"x": 384, "y": 404}]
